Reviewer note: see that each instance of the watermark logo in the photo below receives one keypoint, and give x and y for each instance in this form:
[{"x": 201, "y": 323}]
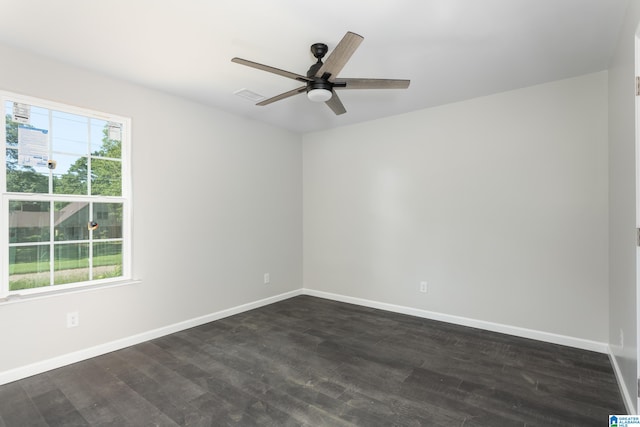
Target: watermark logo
[{"x": 624, "y": 421}]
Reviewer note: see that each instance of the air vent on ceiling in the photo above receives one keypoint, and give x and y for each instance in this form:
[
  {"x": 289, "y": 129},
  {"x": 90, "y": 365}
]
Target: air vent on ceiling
[{"x": 247, "y": 94}]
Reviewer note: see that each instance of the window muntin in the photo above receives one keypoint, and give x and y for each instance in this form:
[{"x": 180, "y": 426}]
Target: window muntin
[{"x": 67, "y": 212}]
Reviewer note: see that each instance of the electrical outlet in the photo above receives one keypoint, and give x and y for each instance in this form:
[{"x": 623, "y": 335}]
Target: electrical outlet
[
  {"x": 423, "y": 287},
  {"x": 73, "y": 319},
  {"x": 267, "y": 278}
]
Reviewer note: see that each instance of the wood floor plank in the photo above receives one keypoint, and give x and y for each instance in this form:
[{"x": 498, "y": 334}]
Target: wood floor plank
[
  {"x": 128, "y": 404},
  {"x": 312, "y": 362},
  {"x": 16, "y": 407},
  {"x": 76, "y": 383},
  {"x": 57, "y": 410}
]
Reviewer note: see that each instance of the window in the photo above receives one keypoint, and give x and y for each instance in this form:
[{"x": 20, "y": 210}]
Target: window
[{"x": 65, "y": 197}]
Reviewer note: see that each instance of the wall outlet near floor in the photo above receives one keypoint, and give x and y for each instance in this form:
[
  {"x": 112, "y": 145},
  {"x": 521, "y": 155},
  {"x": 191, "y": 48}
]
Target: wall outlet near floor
[
  {"x": 423, "y": 287},
  {"x": 267, "y": 278},
  {"x": 73, "y": 319}
]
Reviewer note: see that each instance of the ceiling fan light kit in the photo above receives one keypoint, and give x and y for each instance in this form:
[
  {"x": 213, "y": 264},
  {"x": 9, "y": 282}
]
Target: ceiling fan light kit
[
  {"x": 319, "y": 95},
  {"x": 321, "y": 80}
]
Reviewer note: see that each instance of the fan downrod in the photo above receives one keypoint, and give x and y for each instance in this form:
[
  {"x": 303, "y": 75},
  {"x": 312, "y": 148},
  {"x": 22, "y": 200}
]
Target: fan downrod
[{"x": 319, "y": 50}]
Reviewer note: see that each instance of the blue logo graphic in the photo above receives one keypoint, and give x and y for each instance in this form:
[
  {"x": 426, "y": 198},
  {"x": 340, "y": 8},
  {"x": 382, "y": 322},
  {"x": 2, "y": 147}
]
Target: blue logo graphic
[{"x": 624, "y": 420}]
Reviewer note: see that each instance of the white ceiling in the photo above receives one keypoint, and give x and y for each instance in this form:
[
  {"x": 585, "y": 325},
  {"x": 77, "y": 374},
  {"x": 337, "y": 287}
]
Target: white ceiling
[{"x": 450, "y": 49}]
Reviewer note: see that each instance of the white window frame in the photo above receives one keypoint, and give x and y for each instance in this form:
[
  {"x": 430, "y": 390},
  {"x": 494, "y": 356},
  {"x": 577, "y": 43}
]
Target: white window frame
[{"x": 125, "y": 199}]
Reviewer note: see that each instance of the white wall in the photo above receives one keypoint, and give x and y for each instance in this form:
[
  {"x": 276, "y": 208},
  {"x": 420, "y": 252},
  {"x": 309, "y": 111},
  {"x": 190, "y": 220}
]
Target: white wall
[
  {"x": 500, "y": 203},
  {"x": 217, "y": 203},
  {"x": 622, "y": 203}
]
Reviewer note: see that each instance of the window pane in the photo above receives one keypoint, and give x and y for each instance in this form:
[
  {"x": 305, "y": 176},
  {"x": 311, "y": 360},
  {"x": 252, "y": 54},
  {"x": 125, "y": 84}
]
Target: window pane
[
  {"x": 71, "y": 263},
  {"x": 25, "y": 179},
  {"x": 106, "y": 139},
  {"x": 21, "y": 178},
  {"x": 106, "y": 177},
  {"x": 28, "y": 222},
  {"x": 98, "y": 134},
  {"x": 39, "y": 117},
  {"x": 70, "y": 221},
  {"x": 70, "y": 133},
  {"x": 107, "y": 260},
  {"x": 28, "y": 267},
  {"x": 70, "y": 174},
  {"x": 109, "y": 219},
  {"x": 12, "y": 131}
]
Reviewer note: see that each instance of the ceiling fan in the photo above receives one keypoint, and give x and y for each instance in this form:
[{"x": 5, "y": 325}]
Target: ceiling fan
[{"x": 322, "y": 78}]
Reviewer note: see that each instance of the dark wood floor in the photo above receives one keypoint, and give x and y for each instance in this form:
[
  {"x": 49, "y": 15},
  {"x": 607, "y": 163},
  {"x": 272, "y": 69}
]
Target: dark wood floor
[{"x": 313, "y": 362}]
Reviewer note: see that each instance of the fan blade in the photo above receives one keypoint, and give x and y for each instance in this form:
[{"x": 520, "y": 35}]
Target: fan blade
[
  {"x": 283, "y": 96},
  {"x": 340, "y": 55},
  {"x": 335, "y": 104},
  {"x": 273, "y": 70},
  {"x": 372, "y": 84}
]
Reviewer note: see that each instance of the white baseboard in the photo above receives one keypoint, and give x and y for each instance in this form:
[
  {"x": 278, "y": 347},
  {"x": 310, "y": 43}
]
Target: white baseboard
[
  {"x": 629, "y": 402},
  {"x": 580, "y": 343},
  {"x": 77, "y": 356}
]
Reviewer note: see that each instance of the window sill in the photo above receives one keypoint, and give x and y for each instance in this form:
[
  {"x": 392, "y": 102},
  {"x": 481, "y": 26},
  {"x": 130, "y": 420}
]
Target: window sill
[{"x": 18, "y": 298}]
